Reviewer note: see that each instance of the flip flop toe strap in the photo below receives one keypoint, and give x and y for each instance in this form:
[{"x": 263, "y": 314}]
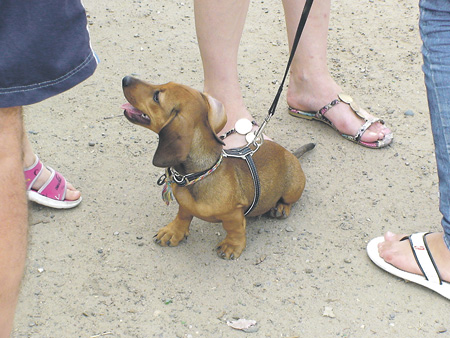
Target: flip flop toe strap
[
  {"x": 424, "y": 258},
  {"x": 55, "y": 187}
]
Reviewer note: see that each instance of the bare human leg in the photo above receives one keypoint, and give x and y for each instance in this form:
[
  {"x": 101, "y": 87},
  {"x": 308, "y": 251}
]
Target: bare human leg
[
  {"x": 310, "y": 84},
  {"x": 13, "y": 215},
  {"x": 219, "y": 25}
]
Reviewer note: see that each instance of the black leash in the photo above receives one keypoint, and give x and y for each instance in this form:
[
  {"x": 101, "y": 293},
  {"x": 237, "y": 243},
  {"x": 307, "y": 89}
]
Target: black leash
[{"x": 298, "y": 34}]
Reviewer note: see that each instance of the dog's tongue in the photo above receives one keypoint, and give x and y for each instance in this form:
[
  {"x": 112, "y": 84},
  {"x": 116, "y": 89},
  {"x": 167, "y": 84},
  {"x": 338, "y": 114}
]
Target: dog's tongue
[{"x": 129, "y": 108}]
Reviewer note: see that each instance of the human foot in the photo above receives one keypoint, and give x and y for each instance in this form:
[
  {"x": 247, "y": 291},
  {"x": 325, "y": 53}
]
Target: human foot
[
  {"x": 422, "y": 258},
  {"x": 398, "y": 253},
  {"x": 305, "y": 96},
  {"x": 38, "y": 175}
]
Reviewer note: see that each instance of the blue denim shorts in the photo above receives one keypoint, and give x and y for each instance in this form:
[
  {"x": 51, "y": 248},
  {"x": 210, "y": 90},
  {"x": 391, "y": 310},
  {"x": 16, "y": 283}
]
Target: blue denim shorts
[{"x": 45, "y": 49}]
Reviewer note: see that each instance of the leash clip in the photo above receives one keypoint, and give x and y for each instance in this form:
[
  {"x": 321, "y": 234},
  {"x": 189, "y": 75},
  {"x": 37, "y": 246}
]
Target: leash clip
[{"x": 259, "y": 138}]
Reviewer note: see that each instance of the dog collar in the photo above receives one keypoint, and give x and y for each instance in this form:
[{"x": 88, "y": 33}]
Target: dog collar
[
  {"x": 173, "y": 176},
  {"x": 184, "y": 180}
]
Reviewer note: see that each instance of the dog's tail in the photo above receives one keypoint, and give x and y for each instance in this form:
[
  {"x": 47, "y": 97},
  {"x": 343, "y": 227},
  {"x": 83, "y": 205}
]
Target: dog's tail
[{"x": 303, "y": 149}]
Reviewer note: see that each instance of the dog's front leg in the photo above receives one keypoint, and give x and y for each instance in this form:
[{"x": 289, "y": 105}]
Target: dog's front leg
[
  {"x": 234, "y": 243},
  {"x": 175, "y": 231}
]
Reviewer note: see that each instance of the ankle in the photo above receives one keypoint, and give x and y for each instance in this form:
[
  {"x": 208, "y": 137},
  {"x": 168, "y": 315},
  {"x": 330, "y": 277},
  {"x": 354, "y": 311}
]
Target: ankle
[
  {"x": 441, "y": 254},
  {"x": 29, "y": 160},
  {"x": 232, "y": 118},
  {"x": 311, "y": 92}
]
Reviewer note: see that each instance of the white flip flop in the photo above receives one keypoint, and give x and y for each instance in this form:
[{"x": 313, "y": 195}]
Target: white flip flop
[{"x": 431, "y": 278}]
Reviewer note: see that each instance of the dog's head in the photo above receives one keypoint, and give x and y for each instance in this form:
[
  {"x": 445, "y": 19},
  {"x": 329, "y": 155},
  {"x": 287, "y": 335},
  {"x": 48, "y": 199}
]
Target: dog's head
[{"x": 173, "y": 111}]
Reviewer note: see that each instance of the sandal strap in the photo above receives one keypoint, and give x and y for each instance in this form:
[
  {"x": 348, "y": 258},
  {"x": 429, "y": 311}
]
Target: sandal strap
[
  {"x": 55, "y": 187},
  {"x": 322, "y": 111},
  {"x": 233, "y": 131},
  {"x": 32, "y": 173},
  {"x": 344, "y": 98},
  {"x": 424, "y": 258},
  {"x": 366, "y": 126}
]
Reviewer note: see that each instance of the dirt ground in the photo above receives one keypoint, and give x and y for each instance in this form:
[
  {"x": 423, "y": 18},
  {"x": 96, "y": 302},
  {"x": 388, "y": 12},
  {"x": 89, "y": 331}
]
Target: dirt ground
[{"x": 95, "y": 272}]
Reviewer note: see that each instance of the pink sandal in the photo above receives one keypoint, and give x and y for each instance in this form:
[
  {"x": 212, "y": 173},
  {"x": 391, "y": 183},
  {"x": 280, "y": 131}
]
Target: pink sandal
[{"x": 53, "y": 193}]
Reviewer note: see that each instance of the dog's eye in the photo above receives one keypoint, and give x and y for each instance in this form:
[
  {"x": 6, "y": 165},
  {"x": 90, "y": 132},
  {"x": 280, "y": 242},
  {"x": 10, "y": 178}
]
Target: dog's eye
[{"x": 156, "y": 96}]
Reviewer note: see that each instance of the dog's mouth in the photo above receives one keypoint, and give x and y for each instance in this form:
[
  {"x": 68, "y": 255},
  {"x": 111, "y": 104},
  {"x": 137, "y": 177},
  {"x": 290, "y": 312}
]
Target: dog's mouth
[{"x": 134, "y": 115}]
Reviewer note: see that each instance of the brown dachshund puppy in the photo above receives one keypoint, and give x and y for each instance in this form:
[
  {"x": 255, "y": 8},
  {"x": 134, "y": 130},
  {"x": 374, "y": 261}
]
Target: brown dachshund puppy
[{"x": 187, "y": 122}]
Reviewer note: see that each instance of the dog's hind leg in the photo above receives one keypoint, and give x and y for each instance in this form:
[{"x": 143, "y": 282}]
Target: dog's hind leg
[
  {"x": 281, "y": 210},
  {"x": 283, "y": 207}
]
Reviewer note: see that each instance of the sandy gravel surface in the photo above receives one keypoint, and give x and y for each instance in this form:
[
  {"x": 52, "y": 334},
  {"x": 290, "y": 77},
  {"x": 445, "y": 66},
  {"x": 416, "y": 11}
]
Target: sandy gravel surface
[{"x": 95, "y": 272}]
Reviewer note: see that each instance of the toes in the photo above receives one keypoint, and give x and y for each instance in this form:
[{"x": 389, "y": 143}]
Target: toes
[
  {"x": 168, "y": 238},
  {"x": 281, "y": 212},
  {"x": 226, "y": 251},
  {"x": 391, "y": 237},
  {"x": 385, "y": 131},
  {"x": 388, "y": 249},
  {"x": 72, "y": 194},
  {"x": 274, "y": 212},
  {"x": 379, "y": 130},
  {"x": 372, "y": 136}
]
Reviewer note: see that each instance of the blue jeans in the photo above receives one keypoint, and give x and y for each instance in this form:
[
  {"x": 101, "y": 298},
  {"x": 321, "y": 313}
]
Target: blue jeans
[{"x": 435, "y": 32}]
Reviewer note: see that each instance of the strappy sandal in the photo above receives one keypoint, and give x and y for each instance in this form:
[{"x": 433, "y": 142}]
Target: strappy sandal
[
  {"x": 320, "y": 116},
  {"x": 53, "y": 193}
]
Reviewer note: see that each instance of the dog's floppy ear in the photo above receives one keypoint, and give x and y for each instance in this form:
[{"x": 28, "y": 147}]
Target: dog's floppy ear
[
  {"x": 216, "y": 113},
  {"x": 175, "y": 140}
]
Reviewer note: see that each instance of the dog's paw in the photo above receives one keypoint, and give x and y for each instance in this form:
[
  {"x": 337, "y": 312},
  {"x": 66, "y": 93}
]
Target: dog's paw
[
  {"x": 227, "y": 250},
  {"x": 169, "y": 237},
  {"x": 280, "y": 211}
]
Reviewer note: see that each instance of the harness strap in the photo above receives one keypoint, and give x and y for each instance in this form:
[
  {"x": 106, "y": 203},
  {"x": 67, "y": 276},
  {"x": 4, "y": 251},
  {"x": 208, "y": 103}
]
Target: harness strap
[{"x": 246, "y": 154}]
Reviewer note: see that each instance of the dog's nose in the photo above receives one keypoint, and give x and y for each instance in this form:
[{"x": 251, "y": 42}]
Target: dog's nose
[{"x": 126, "y": 81}]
